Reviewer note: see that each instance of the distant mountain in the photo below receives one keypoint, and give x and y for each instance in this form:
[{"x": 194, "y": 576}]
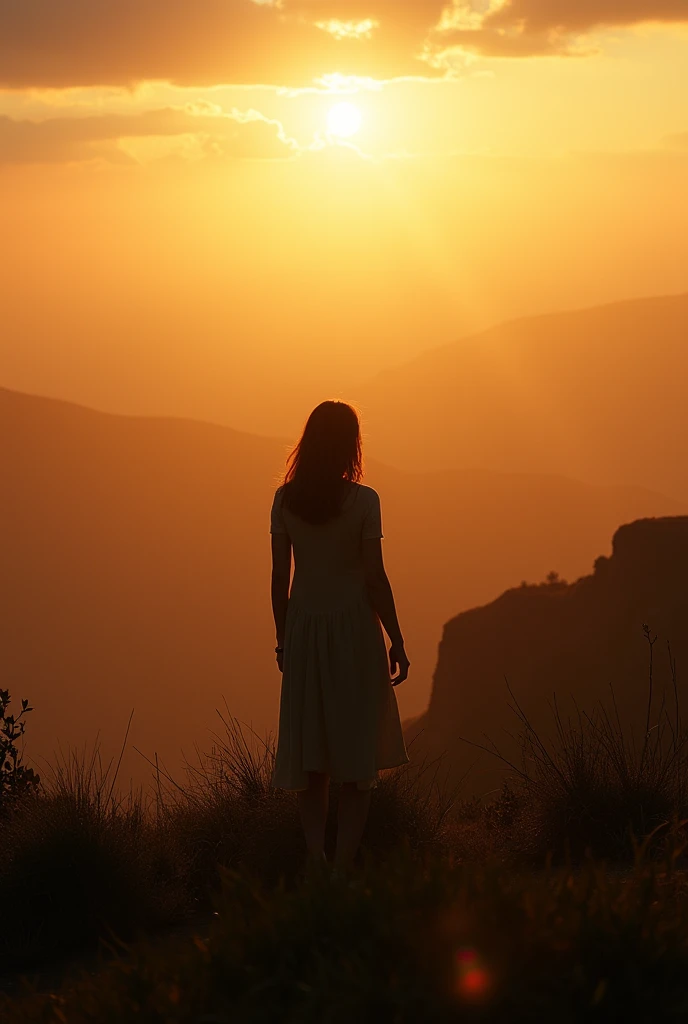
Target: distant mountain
[
  {"x": 598, "y": 395},
  {"x": 134, "y": 560},
  {"x": 570, "y": 640}
]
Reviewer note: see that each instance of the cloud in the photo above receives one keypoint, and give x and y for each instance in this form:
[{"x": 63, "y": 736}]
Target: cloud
[
  {"x": 286, "y": 42},
  {"x": 581, "y": 15},
  {"x": 242, "y": 135},
  {"x": 291, "y": 43},
  {"x": 546, "y": 27}
]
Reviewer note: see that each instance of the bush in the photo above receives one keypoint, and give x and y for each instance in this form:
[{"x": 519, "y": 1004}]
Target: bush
[{"x": 16, "y": 780}]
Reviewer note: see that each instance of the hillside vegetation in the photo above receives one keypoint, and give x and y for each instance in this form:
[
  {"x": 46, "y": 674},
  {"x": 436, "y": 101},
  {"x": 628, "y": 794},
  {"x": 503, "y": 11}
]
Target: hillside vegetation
[{"x": 564, "y": 897}]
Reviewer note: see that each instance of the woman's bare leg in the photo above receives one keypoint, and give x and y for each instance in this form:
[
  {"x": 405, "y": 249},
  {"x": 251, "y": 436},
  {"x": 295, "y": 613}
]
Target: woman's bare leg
[
  {"x": 313, "y": 804},
  {"x": 352, "y": 815}
]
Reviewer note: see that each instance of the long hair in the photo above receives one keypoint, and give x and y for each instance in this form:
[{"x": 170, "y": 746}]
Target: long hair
[{"x": 328, "y": 452}]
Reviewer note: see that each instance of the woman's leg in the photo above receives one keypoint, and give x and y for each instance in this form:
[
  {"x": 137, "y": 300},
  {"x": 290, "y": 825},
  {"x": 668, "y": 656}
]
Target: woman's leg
[
  {"x": 313, "y": 810},
  {"x": 352, "y": 814}
]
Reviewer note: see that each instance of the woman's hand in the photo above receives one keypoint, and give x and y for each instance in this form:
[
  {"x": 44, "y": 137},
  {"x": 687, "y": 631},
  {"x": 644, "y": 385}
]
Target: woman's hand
[{"x": 398, "y": 664}]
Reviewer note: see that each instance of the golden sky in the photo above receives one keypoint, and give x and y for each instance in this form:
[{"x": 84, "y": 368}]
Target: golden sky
[{"x": 184, "y": 233}]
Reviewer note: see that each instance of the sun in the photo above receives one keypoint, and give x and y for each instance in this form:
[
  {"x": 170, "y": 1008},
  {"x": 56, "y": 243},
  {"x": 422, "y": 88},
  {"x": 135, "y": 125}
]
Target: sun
[{"x": 344, "y": 120}]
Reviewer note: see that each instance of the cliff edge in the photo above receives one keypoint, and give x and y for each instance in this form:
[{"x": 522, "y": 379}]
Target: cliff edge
[{"x": 578, "y": 641}]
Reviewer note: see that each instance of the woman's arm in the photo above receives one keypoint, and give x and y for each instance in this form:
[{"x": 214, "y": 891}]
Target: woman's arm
[
  {"x": 281, "y": 576},
  {"x": 382, "y": 600}
]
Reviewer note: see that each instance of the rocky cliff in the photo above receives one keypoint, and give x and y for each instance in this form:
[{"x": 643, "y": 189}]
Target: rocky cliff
[{"x": 574, "y": 640}]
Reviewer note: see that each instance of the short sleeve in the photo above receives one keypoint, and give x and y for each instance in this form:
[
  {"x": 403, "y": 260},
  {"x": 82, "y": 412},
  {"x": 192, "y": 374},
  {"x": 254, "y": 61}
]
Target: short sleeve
[
  {"x": 372, "y": 520},
  {"x": 276, "y": 520}
]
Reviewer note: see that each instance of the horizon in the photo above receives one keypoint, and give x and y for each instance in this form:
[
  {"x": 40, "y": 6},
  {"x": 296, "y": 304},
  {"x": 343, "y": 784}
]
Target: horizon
[{"x": 291, "y": 423}]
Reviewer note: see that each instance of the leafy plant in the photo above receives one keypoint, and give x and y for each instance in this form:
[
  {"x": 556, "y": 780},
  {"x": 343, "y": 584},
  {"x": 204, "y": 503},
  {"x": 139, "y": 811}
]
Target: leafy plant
[{"x": 16, "y": 780}]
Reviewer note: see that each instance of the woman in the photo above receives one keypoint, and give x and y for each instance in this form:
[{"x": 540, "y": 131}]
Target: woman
[{"x": 338, "y": 713}]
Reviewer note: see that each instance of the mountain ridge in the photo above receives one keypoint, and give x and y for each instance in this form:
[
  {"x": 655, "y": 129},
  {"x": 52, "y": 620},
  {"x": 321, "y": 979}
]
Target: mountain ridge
[
  {"x": 595, "y": 394},
  {"x": 533, "y": 318},
  {"x": 135, "y": 558}
]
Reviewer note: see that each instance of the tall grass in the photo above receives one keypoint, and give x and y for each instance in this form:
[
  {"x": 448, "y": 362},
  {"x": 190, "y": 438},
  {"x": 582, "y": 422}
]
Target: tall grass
[
  {"x": 413, "y": 804},
  {"x": 79, "y": 862},
  {"x": 596, "y": 786},
  {"x": 227, "y": 813}
]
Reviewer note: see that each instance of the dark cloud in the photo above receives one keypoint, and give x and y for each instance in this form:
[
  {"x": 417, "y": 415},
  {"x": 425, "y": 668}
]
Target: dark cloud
[
  {"x": 100, "y": 42},
  {"x": 531, "y": 27},
  {"x": 580, "y": 15},
  {"x": 284, "y": 42},
  {"x": 74, "y": 139}
]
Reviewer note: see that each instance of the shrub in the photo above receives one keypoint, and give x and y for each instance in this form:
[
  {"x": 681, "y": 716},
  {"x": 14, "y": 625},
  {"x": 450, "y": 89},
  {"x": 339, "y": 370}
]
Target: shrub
[{"x": 16, "y": 780}]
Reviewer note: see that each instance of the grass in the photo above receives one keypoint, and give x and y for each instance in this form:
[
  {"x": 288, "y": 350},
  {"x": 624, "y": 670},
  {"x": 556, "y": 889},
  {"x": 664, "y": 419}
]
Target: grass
[
  {"x": 409, "y": 940},
  {"x": 595, "y": 787},
  {"x": 511, "y": 909},
  {"x": 80, "y": 863},
  {"x": 227, "y": 815}
]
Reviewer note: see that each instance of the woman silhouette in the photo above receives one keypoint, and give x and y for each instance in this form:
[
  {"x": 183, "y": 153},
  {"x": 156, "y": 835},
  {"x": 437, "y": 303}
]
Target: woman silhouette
[{"x": 338, "y": 712}]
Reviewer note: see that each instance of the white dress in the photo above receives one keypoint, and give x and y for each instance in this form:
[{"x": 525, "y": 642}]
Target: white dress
[{"x": 338, "y": 710}]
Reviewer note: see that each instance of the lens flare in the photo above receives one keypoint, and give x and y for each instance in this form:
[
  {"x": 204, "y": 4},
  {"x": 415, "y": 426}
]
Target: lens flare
[{"x": 472, "y": 981}]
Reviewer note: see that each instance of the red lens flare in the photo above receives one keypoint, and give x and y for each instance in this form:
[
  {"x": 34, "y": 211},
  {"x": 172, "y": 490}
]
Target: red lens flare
[{"x": 472, "y": 980}]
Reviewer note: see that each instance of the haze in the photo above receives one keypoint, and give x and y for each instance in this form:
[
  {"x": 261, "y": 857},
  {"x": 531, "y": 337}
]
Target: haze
[{"x": 188, "y": 233}]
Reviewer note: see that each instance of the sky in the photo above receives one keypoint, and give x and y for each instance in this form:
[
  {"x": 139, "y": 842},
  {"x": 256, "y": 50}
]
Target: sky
[
  {"x": 190, "y": 225},
  {"x": 187, "y": 230}
]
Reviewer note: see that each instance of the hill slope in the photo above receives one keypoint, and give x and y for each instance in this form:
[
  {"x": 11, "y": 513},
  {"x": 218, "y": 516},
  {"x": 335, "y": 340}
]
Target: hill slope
[
  {"x": 135, "y": 561},
  {"x": 597, "y": 395}
]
